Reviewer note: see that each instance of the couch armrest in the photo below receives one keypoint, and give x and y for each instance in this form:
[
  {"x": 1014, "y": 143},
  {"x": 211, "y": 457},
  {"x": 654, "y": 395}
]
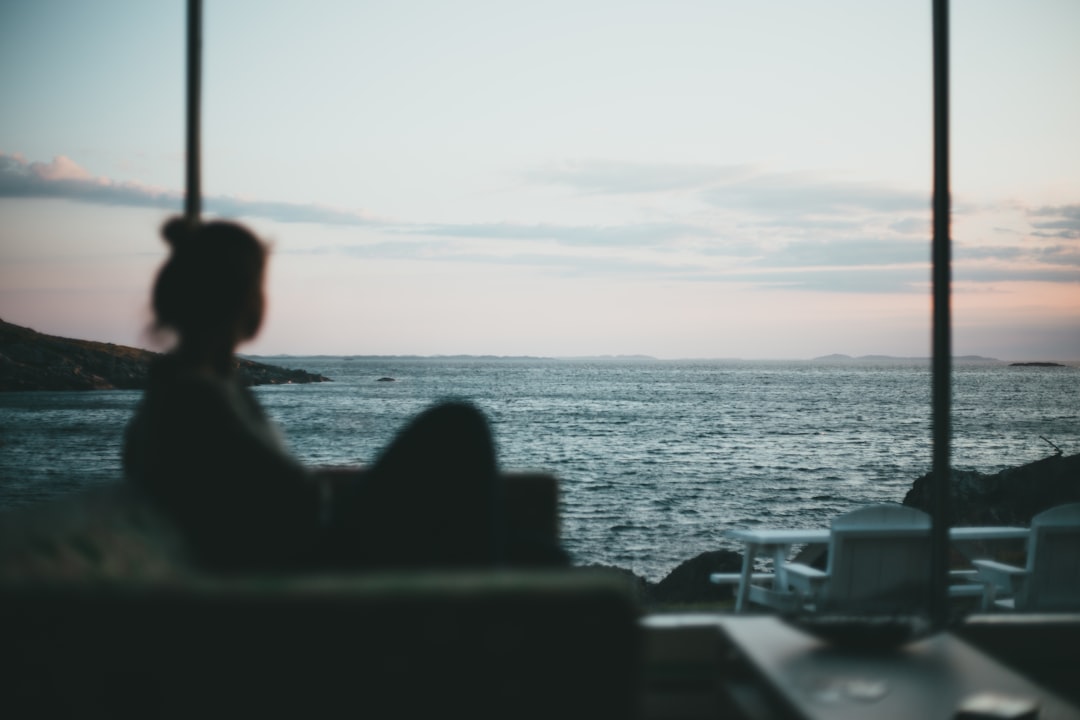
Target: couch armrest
[{"x": 106, "y": 532}]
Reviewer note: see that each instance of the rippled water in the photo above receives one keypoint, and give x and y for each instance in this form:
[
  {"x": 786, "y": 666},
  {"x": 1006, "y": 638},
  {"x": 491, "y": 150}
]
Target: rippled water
[{"x": 655, "y": 458}]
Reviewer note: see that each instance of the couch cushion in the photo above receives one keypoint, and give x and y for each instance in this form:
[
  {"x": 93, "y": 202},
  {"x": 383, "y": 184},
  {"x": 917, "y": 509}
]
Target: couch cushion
[{"x": 106, "y": 532}]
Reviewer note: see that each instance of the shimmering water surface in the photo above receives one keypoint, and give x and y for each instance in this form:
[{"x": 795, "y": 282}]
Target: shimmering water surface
[{"x": 655, "y": 458}]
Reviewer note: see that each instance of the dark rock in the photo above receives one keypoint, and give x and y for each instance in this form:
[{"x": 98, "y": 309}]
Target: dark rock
[
  {"x": 642, "y": 587},
  {"x": 816, "y": 556},
  {"x": 1010, "y": 497},
  {"x": 689, "y": 582},
  {"x": 253, "y": 373},
  {"x": 30, "y": 360}
]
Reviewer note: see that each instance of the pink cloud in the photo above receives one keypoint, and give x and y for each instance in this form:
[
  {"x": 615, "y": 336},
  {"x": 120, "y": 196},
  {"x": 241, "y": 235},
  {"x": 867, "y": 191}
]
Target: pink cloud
[{"x": 61, "y": 168}]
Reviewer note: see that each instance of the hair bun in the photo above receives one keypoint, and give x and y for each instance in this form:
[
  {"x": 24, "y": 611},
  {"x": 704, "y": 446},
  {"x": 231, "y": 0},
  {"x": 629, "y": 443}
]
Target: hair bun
[{"x": 178, "y": 231}]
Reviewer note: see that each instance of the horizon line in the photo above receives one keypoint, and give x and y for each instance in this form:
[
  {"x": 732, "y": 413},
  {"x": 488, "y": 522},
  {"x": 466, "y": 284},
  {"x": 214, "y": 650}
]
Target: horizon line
[{"x": 834, "y": 357}]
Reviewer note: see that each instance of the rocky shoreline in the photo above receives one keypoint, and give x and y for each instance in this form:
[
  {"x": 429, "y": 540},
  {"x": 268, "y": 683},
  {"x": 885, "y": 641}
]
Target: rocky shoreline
[
  {"x": 30, "y": 360},
  {"x": 1009, "y": 497}
]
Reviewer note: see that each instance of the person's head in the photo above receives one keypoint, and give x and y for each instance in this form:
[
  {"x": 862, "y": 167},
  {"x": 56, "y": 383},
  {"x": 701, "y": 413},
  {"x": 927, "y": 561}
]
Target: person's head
[{"x": 212, "y": 284}]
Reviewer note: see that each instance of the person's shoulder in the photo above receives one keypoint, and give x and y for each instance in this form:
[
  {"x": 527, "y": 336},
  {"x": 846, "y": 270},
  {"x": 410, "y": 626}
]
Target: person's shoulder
[
  {"x": 180, "y": 382},
  {"x": 170, "y": 369}
]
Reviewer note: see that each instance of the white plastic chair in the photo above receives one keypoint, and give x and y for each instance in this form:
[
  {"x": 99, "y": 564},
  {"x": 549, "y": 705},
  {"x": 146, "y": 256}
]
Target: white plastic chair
[
  {"x": 879, "y": 563},
  {"x": 1051, "y": 579}
]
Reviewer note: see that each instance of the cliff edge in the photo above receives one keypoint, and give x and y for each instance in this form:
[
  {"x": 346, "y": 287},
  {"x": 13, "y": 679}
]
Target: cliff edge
[{"x": 30, "y": 360}]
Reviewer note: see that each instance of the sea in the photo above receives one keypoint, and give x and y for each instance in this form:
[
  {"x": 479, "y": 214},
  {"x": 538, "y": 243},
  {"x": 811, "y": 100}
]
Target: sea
[{"x": 655, "y": 458}]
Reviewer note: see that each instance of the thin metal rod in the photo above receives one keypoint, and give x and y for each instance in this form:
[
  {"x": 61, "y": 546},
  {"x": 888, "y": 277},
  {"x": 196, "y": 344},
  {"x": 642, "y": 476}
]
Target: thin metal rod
[
  {"x": 942, "y": 347},
  {"x": 192, "y": 198}
]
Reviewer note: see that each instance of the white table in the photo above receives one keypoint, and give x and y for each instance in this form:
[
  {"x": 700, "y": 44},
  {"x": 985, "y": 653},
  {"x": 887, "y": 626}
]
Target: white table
[{"x": 778, "y": 542}]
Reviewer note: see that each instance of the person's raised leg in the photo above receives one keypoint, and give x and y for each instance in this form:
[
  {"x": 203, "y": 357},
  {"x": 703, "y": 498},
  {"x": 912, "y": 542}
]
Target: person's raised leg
[{"x": 432, "y": 498}]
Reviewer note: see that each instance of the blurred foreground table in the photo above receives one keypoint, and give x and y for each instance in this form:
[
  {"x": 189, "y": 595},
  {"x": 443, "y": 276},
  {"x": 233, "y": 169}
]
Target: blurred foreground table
[
  {"x": 764, "y": 669},
  {"x": 929, "y": 678}
]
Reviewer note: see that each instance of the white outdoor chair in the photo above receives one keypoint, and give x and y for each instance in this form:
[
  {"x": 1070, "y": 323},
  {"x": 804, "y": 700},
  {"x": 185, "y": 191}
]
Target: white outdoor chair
[
  {"x": 1051, "y": 579},
  {"x": 879, "y": 564}
]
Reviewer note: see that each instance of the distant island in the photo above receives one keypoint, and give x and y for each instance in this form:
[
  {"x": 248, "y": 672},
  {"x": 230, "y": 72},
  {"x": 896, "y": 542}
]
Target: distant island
[
  {"x": 30, "y": 360},
  {"x": 837, "y": 357},
  {"x": 957, "y": 359},
  {"x": 1037, "y": 364}
]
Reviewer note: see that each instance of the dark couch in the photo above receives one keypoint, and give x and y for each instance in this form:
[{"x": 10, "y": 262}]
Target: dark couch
[{"x": 104, "y": 616}]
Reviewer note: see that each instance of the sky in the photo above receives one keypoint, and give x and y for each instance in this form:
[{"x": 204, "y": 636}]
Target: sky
[{"x": 681, "y": 179}]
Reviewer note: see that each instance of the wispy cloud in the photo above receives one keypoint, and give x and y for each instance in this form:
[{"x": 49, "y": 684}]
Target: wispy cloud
[
  {"x": 1060, "y": 255},
  {"x": 65, "y": 179},
  {"x": 796, "y": 199},
  {"x": 780, "y": 231},
  {"x": 872, "y": 251},
  {"x": 913, "y": 225},
  {"x": 287, "y": 212},
  {"x": 603, "y": 176},
  {"x": 629, "y": 235},
  {"x": 1023, "y": 257},
  {"x": 836, "y": 235},
  {"x": 737, "y": 187},
  {"x": 1046, "y": 274},
  {"x": 1063, "y": 221},
  {"x": 877, "y": 280},
  {"x": 1004, "y": 253},
  {"x": 761, "y": 271}
]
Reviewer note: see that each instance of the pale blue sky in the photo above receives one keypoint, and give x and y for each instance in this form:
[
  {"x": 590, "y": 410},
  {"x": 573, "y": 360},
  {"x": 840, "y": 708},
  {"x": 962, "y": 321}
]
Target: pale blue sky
[{"x": 682, "y": 179}]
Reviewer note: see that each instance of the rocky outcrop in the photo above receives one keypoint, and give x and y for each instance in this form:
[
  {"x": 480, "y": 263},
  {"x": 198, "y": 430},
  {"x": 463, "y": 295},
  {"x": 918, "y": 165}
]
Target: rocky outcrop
[
  {"x": 254, "y": 373},
  {"x": 689, "y": 582},
  {"x": 1010, "y": 497},
  {"x": 30, "y": 360},
  {"x": 1036, "y": 364}
]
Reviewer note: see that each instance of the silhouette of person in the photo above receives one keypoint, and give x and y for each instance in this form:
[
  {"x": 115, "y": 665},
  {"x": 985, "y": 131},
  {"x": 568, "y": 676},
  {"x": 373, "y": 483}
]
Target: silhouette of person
[{"x": 202, "y": 447}]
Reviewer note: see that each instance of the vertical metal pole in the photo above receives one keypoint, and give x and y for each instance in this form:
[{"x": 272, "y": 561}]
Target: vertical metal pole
[
  {"x": 942, "y": 348},
  {"x": 192, "y": 198}
]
